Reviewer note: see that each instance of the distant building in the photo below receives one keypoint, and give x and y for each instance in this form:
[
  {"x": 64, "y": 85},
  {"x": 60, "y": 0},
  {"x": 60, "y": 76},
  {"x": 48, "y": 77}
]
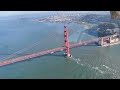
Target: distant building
[{"x": 113, "y": 39}]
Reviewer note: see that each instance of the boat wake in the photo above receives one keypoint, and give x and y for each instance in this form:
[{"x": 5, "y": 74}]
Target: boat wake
[{"x": 101, "y": 70}]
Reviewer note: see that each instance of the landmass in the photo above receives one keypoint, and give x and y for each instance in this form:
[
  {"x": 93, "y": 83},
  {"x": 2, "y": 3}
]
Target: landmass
[{"x": 97, "y": 25}]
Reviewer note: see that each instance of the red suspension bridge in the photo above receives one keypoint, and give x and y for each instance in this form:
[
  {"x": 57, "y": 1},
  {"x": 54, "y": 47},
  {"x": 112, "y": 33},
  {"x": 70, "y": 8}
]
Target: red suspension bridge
[{"x": 66, "y": 47}]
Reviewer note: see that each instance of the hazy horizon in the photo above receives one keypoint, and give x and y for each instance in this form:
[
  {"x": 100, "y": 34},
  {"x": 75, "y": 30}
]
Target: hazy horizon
[{"x": 12, "y": 13}]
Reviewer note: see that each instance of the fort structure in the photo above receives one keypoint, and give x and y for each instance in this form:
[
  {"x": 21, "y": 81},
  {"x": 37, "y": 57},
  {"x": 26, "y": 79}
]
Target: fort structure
[{"x": 112, "y": 40}]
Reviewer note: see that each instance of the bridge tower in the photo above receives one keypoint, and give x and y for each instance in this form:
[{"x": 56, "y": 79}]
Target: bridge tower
[{"x": 67, "y": 50}]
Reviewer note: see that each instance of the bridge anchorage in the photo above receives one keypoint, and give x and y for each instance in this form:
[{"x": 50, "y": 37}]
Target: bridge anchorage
[{"x": 66, "y": 41}]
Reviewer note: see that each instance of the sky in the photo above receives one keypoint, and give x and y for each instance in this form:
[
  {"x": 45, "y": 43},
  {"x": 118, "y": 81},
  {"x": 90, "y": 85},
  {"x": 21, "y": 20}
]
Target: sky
[{"x": 10, "y": 13}]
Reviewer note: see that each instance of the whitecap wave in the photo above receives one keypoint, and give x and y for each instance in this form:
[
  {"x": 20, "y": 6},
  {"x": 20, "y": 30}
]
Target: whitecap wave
[{"x": 102, "y": 69}]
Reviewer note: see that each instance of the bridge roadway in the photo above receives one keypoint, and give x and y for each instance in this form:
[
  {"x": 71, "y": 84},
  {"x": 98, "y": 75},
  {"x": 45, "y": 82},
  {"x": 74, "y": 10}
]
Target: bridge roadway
[{"x": 22, "y": 58}]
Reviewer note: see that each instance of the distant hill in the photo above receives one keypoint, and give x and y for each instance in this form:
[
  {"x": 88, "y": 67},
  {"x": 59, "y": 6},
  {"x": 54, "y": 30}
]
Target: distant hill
[
  {"x": 95, "y": 18},
  {"x": 103, "y": 29}
]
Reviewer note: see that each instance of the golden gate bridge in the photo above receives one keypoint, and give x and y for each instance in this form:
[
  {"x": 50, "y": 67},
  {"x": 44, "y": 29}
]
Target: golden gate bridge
[{"x": 66, "y": 47}]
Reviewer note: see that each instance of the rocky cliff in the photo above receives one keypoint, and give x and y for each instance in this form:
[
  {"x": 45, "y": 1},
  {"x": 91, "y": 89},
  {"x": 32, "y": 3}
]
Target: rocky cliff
[{"x": 115, "y": 14}]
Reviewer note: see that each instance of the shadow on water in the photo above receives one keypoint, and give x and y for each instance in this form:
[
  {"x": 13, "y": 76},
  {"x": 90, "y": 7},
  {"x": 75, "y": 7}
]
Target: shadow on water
[
  {"x": 48, "y": 55},
  {"x": 55, "y": 54}
]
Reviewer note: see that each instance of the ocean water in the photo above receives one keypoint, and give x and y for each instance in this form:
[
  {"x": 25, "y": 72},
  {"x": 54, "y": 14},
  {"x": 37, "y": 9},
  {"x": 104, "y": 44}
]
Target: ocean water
[{"x": 23, "y": 37}]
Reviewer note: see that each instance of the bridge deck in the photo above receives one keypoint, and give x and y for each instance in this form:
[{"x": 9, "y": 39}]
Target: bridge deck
[{"x": 22, "y": 58}]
